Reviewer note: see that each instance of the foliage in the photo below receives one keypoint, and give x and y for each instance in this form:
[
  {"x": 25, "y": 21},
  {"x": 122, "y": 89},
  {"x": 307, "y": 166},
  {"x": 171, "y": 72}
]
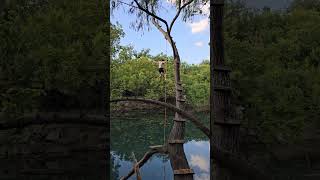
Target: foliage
[
  {"x": 115, "y": 33},
  {"x": 196, "y": 79},
  {"x": 52, "y": 44},
  {"x": 275, "y": 61},
  {"x": 137, "y": 72}
]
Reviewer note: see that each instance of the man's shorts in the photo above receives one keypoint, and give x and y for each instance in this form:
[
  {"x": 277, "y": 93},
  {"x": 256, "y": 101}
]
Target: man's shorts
[{"x": 161, "y": 70}]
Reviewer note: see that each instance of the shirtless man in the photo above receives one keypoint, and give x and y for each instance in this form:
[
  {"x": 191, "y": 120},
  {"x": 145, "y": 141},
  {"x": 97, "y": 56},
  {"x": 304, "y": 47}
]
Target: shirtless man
[{"x": 162, "y": 67}]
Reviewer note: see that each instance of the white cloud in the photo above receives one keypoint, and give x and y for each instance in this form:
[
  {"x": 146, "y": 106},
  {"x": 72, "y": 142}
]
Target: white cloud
[
  {"x": 199, "y": 44},
  {"x": 200, "y": 162},
  {"x": 200, "y": 143},
  {"x": 199, "y": 26}
]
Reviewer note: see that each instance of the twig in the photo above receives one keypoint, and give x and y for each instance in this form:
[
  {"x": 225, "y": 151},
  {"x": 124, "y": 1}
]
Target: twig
[{"x": 136, "y": 167}]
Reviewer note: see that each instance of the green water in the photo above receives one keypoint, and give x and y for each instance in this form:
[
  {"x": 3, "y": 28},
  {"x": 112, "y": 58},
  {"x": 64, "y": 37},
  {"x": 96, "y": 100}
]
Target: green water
[{"x": 136, "y": 131}]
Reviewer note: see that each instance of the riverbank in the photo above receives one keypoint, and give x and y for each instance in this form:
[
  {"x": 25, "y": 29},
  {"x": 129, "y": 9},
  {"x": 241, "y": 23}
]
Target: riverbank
[{"x": 127, "y": 107}]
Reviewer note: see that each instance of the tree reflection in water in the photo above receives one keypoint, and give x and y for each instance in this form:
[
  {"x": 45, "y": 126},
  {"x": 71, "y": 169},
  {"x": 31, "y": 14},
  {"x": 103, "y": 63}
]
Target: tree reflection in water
[{"x": 136, "y": 131}]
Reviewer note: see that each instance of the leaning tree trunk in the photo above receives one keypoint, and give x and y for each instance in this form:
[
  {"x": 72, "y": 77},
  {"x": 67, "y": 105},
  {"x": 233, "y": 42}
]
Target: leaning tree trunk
[
  {"x": 223, "y": 121},
  {"x": 178, "y": 160}
]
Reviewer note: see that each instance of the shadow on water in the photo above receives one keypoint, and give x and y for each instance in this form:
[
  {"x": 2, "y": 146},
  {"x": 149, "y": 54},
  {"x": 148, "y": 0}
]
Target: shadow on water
[{"x": 136, "y": 131}]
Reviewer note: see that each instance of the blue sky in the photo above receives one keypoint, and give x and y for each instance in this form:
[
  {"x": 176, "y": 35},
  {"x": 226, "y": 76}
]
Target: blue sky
[{"x": 191, "y": 37}]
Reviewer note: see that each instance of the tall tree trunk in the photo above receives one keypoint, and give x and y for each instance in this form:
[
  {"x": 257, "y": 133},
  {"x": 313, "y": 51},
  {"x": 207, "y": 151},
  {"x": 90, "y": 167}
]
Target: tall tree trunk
[
  {"x": 223, "y": 121},
  {"x": 178, "y": 160},
  {"x": 175, "y": 142}
]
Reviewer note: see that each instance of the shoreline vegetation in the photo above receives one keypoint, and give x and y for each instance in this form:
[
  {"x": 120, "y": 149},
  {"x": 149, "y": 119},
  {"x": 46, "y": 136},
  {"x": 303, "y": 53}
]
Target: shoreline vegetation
[{"x": 134, "y": 106}]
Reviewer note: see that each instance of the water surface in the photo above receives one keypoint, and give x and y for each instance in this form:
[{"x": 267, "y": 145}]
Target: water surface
[{"x": 136, "y": 131}]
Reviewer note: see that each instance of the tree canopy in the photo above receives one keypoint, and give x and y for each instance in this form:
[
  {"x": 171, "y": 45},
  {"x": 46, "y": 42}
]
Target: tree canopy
[{"x": 152, "y": 8}]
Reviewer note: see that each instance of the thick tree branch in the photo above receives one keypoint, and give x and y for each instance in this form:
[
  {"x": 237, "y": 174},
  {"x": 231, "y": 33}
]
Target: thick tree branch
[
  {"x": 158, "y": 26},
  {"x": 186, "y": 4},
  {"x": 166, "y": 35},
  {"x": 151, "y": 14},
  {"x": 178, "y": 13},
  {"x": 189, "y": 116}
]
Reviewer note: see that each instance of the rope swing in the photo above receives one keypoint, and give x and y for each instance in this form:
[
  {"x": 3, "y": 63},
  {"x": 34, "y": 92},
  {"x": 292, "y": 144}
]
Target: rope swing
[
  {"x": 165, "y": 109},
  {"x": 165, "y": 100},
  {"x": 163, "y": 76},
  {"x": 165, "y": 113}
]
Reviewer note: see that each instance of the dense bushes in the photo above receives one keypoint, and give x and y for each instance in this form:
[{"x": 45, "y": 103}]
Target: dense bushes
[
  {"x": 48, "y": 46},
  {"x": 139, "y": 74},
  {"x": 275, "y": 60}
]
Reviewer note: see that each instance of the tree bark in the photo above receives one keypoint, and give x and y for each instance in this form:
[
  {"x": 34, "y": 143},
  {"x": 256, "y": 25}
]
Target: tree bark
[
  {"x": 177, "y": 156},
  {"x": 222, "y": 119}
]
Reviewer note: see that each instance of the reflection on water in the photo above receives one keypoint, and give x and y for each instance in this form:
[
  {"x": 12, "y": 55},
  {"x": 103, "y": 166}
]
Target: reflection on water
[
  {"x": 137, "y": 133},
  {"x": 158, "y": 167},
  {"x": 198, "y": 155}
]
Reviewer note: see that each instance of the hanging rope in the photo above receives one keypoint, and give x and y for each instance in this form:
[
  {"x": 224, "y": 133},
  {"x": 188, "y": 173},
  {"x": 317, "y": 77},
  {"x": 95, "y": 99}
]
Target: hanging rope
[
  {"x": 165, "y": 113},
  {"x": 165, "y": 100}
]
